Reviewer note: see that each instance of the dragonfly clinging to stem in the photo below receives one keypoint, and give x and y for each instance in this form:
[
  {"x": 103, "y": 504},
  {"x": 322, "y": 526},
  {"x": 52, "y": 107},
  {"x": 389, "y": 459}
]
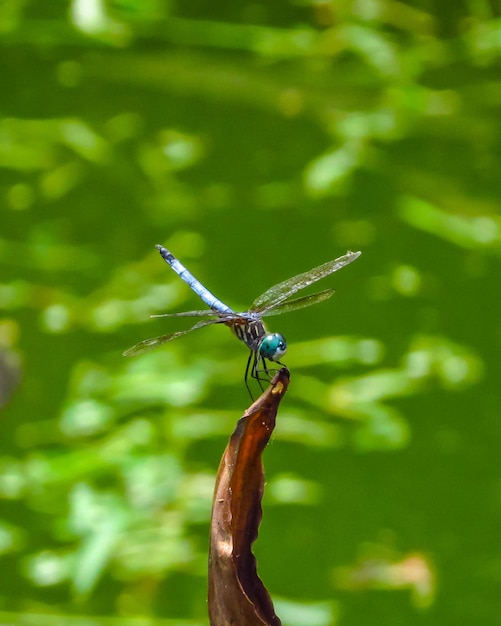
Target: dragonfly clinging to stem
[{"x": 248, "y": 325}]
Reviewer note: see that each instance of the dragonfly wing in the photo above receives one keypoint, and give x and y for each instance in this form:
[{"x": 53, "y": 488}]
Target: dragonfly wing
[
  {"x": 278, "y": 293},
  {"x": 298, "y": 303},
  {"x": 148, "y": 344}
]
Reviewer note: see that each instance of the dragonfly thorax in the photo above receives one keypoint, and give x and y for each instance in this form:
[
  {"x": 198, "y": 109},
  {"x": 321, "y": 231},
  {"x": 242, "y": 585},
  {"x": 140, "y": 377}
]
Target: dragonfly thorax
[
  {"x": 253, "y": 333},
  {"x": 273, "y": 346}
]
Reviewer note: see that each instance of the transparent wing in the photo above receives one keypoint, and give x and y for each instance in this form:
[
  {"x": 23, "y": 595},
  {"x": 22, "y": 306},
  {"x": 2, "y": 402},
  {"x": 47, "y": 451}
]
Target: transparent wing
[
  {"x": 278, "y": 293},
  {"x": 299, "y": 303},
  {"x": 148, "y": 344}
]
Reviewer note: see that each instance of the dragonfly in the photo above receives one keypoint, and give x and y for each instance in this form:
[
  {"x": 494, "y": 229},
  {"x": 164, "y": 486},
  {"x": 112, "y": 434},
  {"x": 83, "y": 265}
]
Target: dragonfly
[{"x": 248, "y": 325}]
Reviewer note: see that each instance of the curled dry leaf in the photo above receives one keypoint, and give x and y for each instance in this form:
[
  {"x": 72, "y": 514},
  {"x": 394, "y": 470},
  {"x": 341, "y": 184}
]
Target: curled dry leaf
[{"x": 237, "y": 595}]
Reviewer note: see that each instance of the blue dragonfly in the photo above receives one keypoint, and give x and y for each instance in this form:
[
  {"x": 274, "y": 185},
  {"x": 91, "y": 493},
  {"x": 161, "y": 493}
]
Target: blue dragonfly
[{"x": 248, "y": 325}]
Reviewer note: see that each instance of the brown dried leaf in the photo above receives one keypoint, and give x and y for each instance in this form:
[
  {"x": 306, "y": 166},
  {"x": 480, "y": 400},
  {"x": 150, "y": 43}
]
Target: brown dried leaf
[{"x": 237, "y": 595}]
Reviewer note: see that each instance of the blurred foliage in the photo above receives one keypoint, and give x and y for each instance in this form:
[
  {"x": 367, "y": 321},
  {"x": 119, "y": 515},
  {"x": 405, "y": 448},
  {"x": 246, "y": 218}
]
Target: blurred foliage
[{"x": 256, "y": 140}]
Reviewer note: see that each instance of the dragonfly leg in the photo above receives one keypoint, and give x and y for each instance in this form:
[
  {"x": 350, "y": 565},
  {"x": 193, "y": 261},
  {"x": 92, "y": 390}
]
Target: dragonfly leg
[
  {"x": 257, "y": 366},
  {"x": 260, "y": 368},
  {"x": 264, "y": 368},
  {"x": 269, "y": 372},
  {"x": 252, "y": 357},
  {"x": 257, "y": 371}
]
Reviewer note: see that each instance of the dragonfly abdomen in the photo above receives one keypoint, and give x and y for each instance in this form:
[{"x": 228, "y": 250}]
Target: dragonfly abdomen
[{"x": 210, "y": 299}]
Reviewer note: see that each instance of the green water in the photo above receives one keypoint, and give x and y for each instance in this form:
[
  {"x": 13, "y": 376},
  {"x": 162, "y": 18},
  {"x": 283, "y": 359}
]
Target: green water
[{"x": 255, "y": 142}]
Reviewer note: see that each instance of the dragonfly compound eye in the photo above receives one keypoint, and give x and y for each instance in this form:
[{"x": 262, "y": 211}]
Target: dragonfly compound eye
[{"x": 273, "y": 347}]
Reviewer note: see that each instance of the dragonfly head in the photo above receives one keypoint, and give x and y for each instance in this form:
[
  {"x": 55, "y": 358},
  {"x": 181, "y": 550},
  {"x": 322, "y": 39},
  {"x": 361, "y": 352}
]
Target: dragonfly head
[{"x": 273, "y": 347}]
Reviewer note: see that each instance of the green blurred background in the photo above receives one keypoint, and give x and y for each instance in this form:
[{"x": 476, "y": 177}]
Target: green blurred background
[{"x": 255, "y": 140}]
